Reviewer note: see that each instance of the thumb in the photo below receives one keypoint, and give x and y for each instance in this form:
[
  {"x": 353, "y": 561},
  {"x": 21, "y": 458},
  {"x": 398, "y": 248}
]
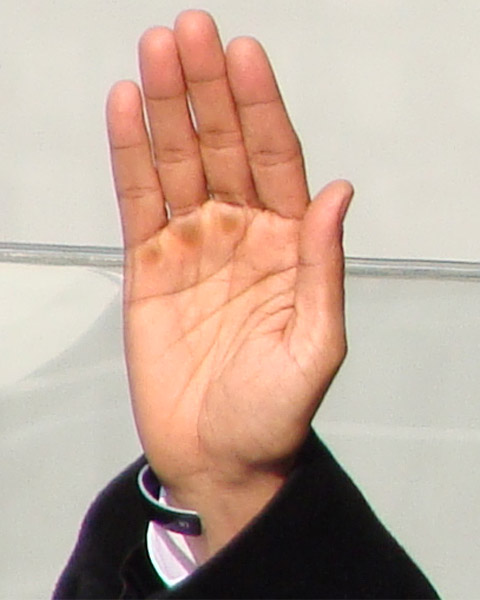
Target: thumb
[{"x": 319, "y": 297}]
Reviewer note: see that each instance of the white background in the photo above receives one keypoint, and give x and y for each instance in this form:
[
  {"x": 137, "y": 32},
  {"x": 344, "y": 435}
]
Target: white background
[{"x": 383, "y": 92}]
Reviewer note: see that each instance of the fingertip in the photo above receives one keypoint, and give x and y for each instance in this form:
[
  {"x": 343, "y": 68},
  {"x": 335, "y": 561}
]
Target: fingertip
[
  {"x": 123, "y": 97},
  {"x": 336, "y": 196},
  {"x": 250, "y": 72},
  {"x": 123, "y": 111},
  {"x": 192, "y": 20},
  {"x": 345, "y": 187},
  {"x": 199, "y": 46},
  {"x": 246, "y": 53},
  {"x": 340, "y": 188},
  {"x": 154, "y": 38},
  {"x": 159, "y": 63},
  {"x": 243, "y": 46}
]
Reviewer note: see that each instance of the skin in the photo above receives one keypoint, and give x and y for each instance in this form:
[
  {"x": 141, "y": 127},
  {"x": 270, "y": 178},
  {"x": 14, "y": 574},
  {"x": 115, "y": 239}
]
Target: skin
[{"x": 233, "y": 297}]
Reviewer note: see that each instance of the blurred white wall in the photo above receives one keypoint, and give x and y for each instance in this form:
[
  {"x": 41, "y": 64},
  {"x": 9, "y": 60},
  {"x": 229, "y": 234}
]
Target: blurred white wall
[{"x": 384, "y": 92}]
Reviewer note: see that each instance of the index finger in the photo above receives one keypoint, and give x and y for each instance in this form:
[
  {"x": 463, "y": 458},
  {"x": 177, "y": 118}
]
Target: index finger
[{"x": 273, "y": 149}]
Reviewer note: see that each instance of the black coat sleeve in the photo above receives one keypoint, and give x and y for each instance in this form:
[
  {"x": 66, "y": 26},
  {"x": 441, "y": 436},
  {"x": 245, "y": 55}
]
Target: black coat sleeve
[
  {"x": 317, "y": 538},
  {"x": 112, "y": 529}
]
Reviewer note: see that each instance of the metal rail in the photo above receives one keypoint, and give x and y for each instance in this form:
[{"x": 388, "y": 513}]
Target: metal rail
[
  {"x": 112, "y": 257},
  {"x": 56, "y": 254},
  {"x": 413, "y": 269}
]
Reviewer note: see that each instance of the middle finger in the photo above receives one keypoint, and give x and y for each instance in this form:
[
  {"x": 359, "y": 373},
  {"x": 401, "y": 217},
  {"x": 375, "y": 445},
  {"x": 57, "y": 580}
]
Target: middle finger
[{"x": 220, "y": 137}]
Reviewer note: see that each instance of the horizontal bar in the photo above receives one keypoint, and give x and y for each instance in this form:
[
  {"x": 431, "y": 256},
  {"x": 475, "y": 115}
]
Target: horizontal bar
[
  {"x": 112, "y": 257},
  {"x": 406, "y": 268},
  {"x": 57, "y": 254}
]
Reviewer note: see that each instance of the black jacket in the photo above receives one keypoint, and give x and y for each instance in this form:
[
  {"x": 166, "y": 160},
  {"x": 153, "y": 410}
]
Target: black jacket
[{"x": 318, "y": 538}]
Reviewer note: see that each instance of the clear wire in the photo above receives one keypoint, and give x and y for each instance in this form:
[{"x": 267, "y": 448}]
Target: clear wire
[{"x": 112, "y": 257}]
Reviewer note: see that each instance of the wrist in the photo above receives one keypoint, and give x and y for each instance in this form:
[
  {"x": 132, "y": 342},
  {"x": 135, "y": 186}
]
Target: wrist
[{"x": 225, "y": 508}]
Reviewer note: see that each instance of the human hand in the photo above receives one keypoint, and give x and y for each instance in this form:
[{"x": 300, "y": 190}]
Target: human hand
[{"x": 234, "y": 323}]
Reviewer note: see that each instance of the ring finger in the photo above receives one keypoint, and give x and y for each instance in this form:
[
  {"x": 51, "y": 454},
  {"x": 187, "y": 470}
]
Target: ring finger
[{"x": 175, "y": 144}]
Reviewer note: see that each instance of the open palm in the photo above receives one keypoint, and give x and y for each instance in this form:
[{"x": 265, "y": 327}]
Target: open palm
[{"x": 234, "y": 293}]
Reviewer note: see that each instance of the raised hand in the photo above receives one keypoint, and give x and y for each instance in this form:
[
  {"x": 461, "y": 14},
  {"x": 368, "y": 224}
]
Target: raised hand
[{"x": 234, "y": 324}]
